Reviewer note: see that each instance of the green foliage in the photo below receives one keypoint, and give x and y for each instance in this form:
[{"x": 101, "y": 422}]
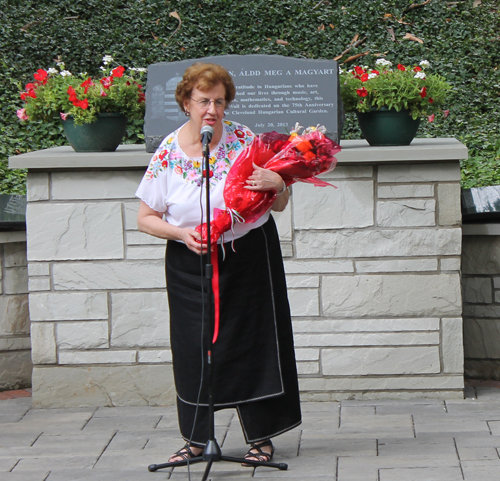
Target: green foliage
[
  {"x": 460, "y": 41},
  {"x": 410, "y": 88}
]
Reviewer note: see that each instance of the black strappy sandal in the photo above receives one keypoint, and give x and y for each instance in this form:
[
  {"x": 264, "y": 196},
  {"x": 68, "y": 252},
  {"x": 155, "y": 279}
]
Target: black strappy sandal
[
  {"x": 185, "y": 453},
  {"x": 259, "y": 455}
]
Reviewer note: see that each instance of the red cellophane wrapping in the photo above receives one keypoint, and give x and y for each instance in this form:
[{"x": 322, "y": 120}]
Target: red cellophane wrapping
[{"x": 294, "y": 157}]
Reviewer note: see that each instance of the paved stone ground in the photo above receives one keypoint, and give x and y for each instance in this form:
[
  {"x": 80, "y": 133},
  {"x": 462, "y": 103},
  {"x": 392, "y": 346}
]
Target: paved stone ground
[{"x": 417, "y": 440}]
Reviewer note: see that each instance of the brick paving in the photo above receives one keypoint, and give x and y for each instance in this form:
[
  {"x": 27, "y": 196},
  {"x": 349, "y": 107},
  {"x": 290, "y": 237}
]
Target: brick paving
[{"x": 384, "y": 440}]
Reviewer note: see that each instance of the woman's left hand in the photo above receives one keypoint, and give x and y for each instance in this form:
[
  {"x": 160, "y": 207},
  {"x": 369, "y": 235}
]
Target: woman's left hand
[{"x": 264, "y": 179}]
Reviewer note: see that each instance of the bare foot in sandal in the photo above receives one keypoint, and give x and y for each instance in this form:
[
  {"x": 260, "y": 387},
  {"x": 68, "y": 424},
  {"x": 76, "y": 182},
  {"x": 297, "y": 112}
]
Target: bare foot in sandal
[
  {"x": 262, "y": 452},
  {"x": 185, "y": 453}
]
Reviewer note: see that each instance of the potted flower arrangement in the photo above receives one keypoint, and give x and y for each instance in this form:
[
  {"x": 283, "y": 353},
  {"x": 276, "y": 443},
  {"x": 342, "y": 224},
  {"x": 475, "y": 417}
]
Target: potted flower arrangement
[
  {"x": 92, "y": 110},
  {"x": 389, "y": 102}
]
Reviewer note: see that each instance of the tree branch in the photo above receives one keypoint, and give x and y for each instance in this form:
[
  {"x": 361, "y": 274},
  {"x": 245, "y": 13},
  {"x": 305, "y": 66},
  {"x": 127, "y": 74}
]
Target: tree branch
[{"x": 415, "y": 5}]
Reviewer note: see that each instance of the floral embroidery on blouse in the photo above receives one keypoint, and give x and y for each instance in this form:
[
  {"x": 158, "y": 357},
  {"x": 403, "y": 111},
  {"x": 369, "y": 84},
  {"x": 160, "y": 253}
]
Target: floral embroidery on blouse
[{"x": 169, "y": 155}]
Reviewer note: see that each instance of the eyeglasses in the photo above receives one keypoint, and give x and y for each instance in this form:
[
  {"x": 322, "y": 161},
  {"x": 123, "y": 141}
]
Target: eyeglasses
[{"x": 204, "y": 103}]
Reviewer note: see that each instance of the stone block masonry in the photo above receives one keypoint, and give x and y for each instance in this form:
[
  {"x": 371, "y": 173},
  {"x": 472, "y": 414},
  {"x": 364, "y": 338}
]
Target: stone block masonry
[
  {"x": 15, "y": 357},
  {"x": 481, "y": 295},
  {"x": 372, "y": 269}
]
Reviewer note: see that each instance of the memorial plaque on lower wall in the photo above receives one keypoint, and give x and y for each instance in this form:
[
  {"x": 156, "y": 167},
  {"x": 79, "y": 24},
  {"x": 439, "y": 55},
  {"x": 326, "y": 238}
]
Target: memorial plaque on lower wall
[{"x": 272, "y": 93}]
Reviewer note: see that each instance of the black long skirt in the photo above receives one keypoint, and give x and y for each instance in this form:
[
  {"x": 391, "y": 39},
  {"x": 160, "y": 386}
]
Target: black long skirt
[{"x": 253, "y": 359}]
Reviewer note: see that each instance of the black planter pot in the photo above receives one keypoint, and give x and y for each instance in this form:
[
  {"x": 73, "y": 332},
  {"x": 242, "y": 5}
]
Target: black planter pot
[
  {"x": 388, "y": 126},
  {"x": 103, "y": 135}
]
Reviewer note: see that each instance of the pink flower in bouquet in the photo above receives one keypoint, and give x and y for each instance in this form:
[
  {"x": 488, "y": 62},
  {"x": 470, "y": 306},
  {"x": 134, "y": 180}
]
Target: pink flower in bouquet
[{"x": 63, "y": 115}]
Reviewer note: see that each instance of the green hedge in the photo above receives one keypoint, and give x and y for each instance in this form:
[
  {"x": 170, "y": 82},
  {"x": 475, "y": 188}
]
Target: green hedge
[{"x": 459, "y": 39}]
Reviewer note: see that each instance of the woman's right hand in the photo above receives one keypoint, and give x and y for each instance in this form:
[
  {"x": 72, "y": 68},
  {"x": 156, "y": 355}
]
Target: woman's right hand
[
  {"x": 151, "y": 222},
  {"x": 192, "y": 240}
]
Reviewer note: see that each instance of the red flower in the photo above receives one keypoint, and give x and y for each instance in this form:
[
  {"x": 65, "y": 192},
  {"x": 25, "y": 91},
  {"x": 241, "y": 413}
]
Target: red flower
[
  {"x": 83, "y": 104},
  {"x": 72, "y": 94},
  {"x": 210, "y": 174},
  {"x": 445, "y": 113},
  {"x": 164, "y": 163},
  {"x": 401, "y": 67},
  {"x": 362, "y": 92},
  {"x": 118, "y": 71},
  {"x": 431, "y": 100},
  {"x": 364, "y": 77},
  {"x": 431, "y": 118},
  {"x": 30, "y": 86},
  {"x": 107, "y": 81},
  {"x": 87, "y": 83},
  {"x": 359, "y": 70},
  {"x": 41, "y": 75},
  {"x": 142, "y": 97},
  {"x": 239, "y": 133},
  {"x": 30, "y": 93},
  {"x": 376, "y": 72},
  {"x": 423, "y": 92},
  {"x": 417, "y": 69}
]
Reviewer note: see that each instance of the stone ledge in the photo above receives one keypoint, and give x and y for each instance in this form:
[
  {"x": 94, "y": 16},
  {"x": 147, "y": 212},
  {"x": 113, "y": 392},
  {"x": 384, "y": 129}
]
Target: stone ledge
[
  {"x": 481, "y": 229},
  {"x": 135, "y": 156},
  {"x": 13, "y": 236}
]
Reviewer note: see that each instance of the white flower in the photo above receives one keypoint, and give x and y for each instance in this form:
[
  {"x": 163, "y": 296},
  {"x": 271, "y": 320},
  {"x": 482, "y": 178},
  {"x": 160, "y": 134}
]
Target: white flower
[
  {"x": 52, "y": 70},
  {"x": 419, "y": 75},
  {"x": 424, "y": 63},
  {"x": 66, "y": 73},
  {"x": 372, "y": 75},
  {"x": 61, "y": 65},
  {"x": 384, "y": 62},
  {"x": 142, "y": 69},
  {"x": 311, "y": 128},
  {"x": 297, "y": 128},
  {"x": 102, "y": 68},
  {"x": 107, "y": 59},
  {"x": 341, "y": 71}
]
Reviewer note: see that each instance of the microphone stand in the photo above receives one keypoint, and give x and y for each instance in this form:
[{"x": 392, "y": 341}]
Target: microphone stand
[{"x": 212, "y": 451}]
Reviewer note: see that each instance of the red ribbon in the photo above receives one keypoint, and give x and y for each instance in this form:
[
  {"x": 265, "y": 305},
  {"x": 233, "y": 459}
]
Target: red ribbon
[{"x": 215, "y": 289}]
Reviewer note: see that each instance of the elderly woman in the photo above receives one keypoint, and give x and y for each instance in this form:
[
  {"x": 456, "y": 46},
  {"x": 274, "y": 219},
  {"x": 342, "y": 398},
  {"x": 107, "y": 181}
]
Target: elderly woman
[{"x": 253, "y": 359}]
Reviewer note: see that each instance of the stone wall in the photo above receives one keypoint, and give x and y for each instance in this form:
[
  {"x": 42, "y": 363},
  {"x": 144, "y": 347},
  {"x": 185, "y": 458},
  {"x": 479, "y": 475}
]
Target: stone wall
[
  {"x": 15, "y": 358},
  {"x": 372, "y": 269},
  {"x": 481, "y": 296}
]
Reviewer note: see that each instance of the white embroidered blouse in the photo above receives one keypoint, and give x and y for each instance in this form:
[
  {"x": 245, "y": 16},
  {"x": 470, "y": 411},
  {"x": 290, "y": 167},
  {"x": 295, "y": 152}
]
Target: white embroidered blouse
[{"x": 172, "y": 183}]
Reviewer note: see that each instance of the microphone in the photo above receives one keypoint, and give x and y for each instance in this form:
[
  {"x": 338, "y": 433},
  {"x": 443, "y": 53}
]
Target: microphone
[{"x": 206, "y": 136}]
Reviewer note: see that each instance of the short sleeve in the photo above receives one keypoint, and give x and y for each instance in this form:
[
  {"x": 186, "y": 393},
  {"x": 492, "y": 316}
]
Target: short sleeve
[{"x": 153, "y": 187}]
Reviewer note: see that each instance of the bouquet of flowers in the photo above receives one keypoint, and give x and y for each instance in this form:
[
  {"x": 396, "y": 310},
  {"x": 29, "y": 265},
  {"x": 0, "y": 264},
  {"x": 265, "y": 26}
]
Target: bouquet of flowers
[
  {"x": 295, "y": 157},
  {"x": 363, "y": 89},
  {"x": 57, "y": 92}
]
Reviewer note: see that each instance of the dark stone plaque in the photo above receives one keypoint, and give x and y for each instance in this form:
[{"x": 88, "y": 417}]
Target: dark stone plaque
[
  {"x": 12, "y": 212},
  {"x": 481, "y": 204},
  {"x": 272, "y": 93}
]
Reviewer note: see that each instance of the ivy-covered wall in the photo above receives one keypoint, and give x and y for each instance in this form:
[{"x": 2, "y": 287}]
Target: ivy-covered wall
[{"x": 461, "y": 39}]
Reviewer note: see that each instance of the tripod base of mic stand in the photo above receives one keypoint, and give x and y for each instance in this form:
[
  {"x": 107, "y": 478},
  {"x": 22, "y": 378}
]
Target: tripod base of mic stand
[{"x": 212, "y": 453}]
